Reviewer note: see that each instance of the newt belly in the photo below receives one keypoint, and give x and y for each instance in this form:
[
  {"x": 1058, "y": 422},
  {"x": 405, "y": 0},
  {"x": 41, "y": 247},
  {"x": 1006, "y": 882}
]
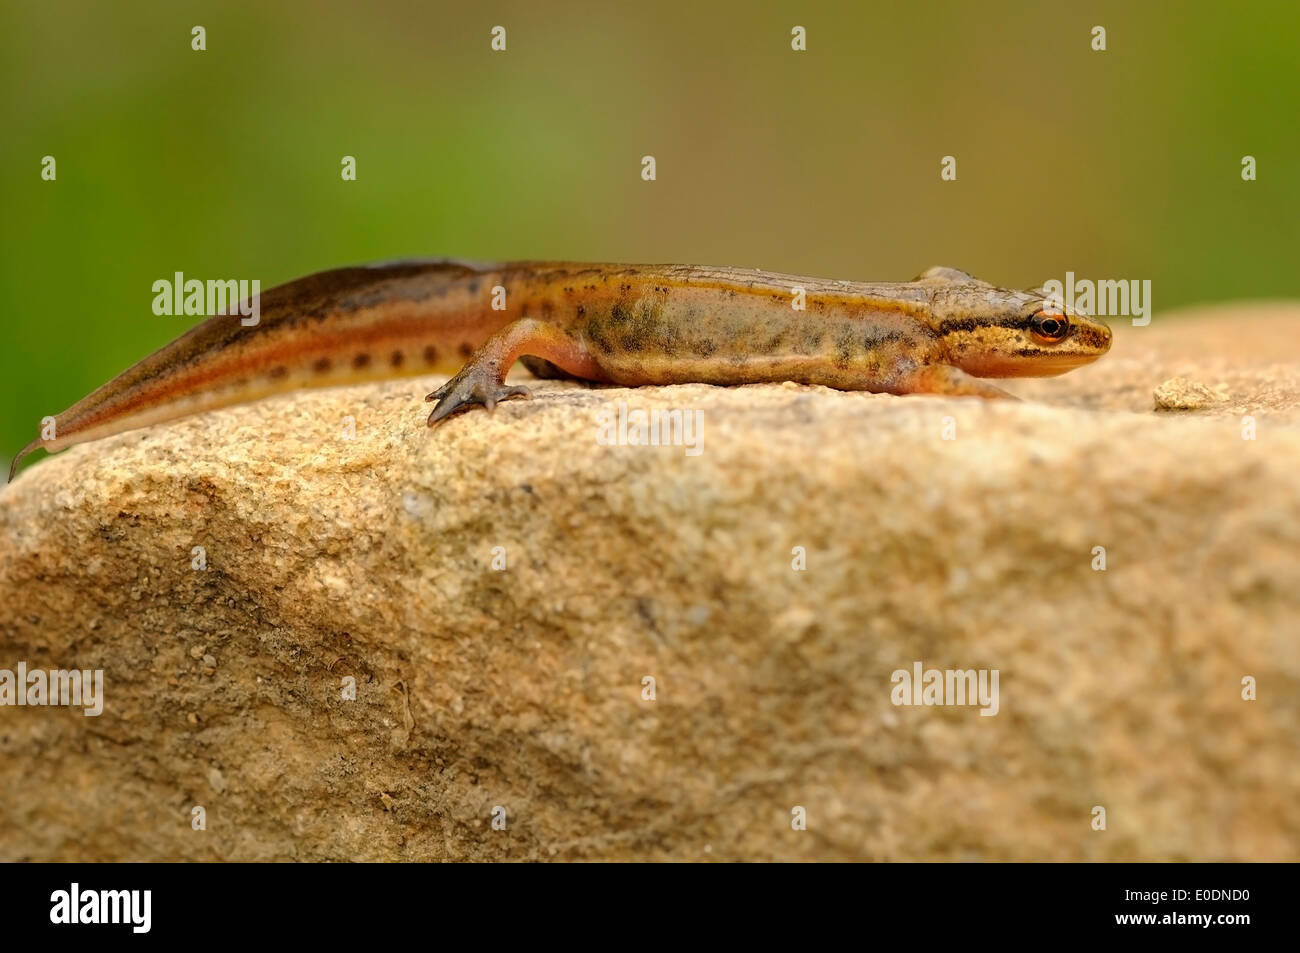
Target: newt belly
[{"x": 621, "y": 324}]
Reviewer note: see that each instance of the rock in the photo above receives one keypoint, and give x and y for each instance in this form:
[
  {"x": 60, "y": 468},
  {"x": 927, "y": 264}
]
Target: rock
[
  {"x": 1179, "y": 393},
  {"x": 525, "y": 692}
]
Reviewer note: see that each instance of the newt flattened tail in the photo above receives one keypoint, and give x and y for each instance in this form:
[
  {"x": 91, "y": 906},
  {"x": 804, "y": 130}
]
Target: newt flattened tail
[{"x": 13, "y": 467}]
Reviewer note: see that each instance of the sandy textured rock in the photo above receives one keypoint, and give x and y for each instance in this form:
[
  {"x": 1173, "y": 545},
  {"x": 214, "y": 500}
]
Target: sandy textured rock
[{"x": 371, "y": 558}]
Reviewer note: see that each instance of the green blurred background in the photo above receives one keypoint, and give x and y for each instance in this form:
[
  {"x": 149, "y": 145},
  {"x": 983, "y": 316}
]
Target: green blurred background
[{"x": 226, "y": 163}]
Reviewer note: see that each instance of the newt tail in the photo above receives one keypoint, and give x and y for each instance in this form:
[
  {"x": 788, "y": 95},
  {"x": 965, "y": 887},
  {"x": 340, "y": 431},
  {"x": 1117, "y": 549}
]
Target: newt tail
[{"x": 631, "y": 325}]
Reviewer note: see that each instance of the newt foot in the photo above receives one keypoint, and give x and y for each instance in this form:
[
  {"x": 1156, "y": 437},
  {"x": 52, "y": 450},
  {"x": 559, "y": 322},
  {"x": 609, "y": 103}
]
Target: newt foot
[{"x": 473, "y": 385}]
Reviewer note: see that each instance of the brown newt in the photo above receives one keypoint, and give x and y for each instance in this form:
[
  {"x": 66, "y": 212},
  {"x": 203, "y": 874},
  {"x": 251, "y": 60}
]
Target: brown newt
[{"x": 620, "y": 324}]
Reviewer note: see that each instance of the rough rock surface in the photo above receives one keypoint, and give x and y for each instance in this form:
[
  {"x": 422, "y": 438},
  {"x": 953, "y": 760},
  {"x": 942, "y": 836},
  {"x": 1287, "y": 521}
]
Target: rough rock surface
[{"x": 476, "y": 688}]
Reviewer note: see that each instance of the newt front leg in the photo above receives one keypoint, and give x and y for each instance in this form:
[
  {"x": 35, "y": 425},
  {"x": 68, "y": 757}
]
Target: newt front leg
[{"x": 944, "y": 379}]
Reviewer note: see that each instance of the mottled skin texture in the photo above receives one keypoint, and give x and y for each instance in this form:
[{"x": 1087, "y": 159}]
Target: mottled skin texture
[{"x": 621, "y": 324}]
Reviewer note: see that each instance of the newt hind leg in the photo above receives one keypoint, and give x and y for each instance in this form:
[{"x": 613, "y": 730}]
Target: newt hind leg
[{"x": 482, "y": 380}]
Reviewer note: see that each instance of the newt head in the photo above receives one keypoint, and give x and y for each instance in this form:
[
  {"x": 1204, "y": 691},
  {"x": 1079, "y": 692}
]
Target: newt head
[{"x": 993, "y": 332}]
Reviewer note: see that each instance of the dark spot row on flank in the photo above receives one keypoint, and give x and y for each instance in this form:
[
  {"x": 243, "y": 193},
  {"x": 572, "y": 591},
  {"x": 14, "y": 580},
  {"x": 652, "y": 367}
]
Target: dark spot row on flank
[
  {"x": 361, "y": 360},
  {"x": 430, "y": 354},
  {"x": 396, "y": 359},
  {"x": 322, "y": 365},
  {"x": 279, "y": 371}
]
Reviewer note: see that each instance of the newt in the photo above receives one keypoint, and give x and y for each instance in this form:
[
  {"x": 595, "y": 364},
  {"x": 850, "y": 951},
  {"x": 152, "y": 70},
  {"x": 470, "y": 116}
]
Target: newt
[{"x": 629, "y": 325}]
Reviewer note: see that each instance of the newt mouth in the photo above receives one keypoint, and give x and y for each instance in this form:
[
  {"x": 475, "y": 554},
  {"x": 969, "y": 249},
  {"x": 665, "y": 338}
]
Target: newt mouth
[{"x": 1037, "y": 365}]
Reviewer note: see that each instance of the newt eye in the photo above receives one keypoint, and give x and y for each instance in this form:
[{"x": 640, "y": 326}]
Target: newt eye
[{"x": 1048, "y": 326}]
